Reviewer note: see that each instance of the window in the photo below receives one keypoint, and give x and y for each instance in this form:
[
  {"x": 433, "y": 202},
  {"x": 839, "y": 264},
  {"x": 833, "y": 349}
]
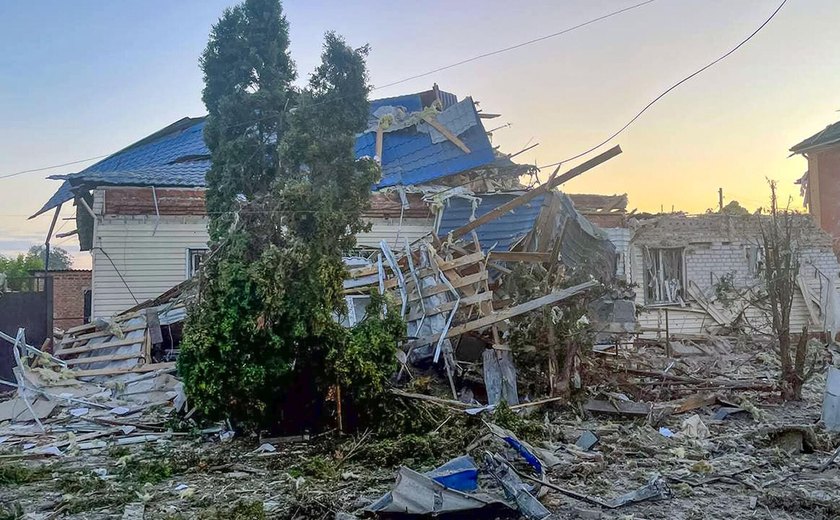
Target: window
[
  {"x": 194, "y": 259},
  {"x": 755, "y": 260},
  {"x": 664, "y": 275}
]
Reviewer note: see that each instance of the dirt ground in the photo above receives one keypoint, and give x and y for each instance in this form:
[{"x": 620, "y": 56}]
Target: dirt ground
[{"x": 764, "y": 462}]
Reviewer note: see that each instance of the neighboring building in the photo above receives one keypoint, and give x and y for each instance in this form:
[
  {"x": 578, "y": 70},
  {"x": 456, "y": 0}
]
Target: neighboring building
[
  {"x": 705, "y": 270},
  {"x": 821, "y": 183},
  {"x": 71, "y": 297},
  {"x": 141, "y": 214}
]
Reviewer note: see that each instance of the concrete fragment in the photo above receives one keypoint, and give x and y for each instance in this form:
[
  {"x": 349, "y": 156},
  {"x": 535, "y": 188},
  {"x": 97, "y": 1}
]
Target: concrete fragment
[{"x": 586, "y": 440}]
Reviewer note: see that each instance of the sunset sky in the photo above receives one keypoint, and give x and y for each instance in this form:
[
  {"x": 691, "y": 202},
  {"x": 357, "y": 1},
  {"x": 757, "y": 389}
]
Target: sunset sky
[{"x": 88, "y": 77}]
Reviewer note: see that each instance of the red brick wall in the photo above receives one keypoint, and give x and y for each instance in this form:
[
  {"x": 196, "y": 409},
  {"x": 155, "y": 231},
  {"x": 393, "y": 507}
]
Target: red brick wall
[
  {"x": 827, "y": 164},
  {"x": 141, "y": 201},
  {"x": 69, "y": 297}
]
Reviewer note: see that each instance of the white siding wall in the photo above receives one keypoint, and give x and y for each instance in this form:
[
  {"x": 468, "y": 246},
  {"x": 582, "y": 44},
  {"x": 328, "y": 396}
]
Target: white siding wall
[
  {"x": 620, "y": 238},
  {"x": 150, "y": 261},
  {"x": 152, "y": 256},
  {"x": 390, "y": 230}
]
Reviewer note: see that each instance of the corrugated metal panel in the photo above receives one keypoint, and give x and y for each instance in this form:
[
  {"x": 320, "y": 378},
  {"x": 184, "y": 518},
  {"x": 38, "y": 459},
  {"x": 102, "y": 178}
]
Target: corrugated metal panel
[
  {"x": 148, "y": 261},
  {"x": 498, "y": 234},
  {"x": 410, "y": 157}
]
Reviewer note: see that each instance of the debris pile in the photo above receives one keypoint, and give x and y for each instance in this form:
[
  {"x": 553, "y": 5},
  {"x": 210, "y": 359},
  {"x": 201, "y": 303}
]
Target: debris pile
[{"x": 107, "y": 382}]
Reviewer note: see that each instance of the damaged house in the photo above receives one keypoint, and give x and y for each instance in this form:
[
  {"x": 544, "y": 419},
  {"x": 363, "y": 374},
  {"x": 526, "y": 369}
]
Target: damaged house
[
  {"x": 701, "y": 274},
  {"x": 141, "y": 213}
]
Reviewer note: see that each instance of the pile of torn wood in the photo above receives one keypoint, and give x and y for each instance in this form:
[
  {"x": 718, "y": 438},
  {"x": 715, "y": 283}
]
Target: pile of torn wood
[
  {"x": 101, "y": 384},
  {"x": 691, "y": 372},
  {"x": 446, "y": 296}
]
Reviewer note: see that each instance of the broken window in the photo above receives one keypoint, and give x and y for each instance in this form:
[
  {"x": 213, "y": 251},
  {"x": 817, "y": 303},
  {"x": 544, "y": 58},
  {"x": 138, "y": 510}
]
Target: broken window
[
  {"x": 664, "y": 273},
  {"x": 194, "y": 259},
  {"x": 755, "y": 260}
]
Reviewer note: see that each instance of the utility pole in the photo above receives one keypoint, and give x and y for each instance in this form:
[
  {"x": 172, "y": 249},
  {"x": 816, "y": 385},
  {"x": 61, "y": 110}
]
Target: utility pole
[{"x": 720, "y": 199}]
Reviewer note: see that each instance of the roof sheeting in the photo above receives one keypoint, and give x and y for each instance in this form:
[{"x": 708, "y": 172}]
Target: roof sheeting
[
  {"x": 64, "y": 193},
  {"x": 499, "y": 234},
  {"x": 829, "y": 135},
  {"x": 177, "y": 155}
]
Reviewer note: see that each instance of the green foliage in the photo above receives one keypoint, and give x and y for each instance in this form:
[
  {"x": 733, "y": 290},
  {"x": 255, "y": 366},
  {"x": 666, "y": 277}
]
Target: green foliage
[
  {"x": 247, "y": 75},
  {"x": 522, "y": 427},
  {"x": 241, "y": 510},
  {"x": 82, "y": 482},
  {"x": 735, "y": 208},
  {"x": 725, "y": 290},
  {"x": 363, "y": 363},
  {"x": 17, "y": 271},
  {"x": 558, "y": 326},
  {"x": 13, "y": 511},
  {"x": 146, "y": 471},
  {"x": 262, "y": 346},
  {"x": 17, "y": 474},
  {"x": 433, "y": 440},
  {"x": 59, "y": 258}
]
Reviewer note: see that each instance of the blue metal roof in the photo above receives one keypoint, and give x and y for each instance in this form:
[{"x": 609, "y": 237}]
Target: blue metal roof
[
  {"x": 184, "y": 138},
  {"x": 187, "y": 173},
  {"x": 178, "y": 156},
  {"x": 499, "y": 234},
  {"x": 410, "y": 157},
  {"x": 64, "y": 193}
]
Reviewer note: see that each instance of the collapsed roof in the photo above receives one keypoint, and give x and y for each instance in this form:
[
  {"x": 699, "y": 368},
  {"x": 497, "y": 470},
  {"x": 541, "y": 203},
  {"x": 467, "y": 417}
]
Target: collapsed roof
[{"x": 426, "y": 136}]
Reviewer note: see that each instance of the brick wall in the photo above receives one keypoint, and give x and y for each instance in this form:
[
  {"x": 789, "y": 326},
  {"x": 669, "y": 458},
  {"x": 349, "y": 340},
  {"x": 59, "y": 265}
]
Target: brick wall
[{"x": 69, "y": 297}]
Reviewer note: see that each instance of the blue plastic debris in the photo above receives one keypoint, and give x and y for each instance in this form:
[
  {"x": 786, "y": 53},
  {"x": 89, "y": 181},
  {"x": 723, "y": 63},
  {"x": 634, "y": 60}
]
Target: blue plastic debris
[
  {"x": 666, "y": 432},
  {"x": 516, "y": 444},
  {"x": 460, "y": 473}
]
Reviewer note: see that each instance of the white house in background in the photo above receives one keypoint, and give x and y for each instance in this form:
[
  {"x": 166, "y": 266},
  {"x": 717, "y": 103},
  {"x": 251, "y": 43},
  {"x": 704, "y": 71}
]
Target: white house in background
[{"x": 691, "y": 266}]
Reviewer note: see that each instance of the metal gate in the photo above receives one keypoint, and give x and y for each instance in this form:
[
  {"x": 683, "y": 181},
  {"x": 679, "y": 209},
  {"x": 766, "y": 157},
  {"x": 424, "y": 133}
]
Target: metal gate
[{"x": 30, "y": 307}]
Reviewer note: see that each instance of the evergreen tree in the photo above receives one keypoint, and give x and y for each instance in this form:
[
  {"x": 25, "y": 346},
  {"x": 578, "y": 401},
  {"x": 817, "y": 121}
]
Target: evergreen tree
[
  {"x": 247, "y": 75},
  {"x": 262, "y": 345}
]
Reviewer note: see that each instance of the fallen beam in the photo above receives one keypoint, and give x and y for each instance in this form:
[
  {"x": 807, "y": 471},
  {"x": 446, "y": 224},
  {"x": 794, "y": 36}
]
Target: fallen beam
[
  {"x": 527, "y": 196},
  {"x": 505, "y": 314}
]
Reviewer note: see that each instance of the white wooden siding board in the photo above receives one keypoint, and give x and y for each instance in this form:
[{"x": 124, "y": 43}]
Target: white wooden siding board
[
  {"x": 150, "y": 261},
  {"x": 387, "y": 229}
]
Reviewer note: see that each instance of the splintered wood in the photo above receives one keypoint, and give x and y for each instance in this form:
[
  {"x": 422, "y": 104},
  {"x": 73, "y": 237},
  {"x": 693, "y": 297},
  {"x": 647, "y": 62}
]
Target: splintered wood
[{"x": 122, "y": 345}]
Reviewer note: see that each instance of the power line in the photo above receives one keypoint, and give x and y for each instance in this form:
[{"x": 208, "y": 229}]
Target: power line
[
  {"x": 398, "y": 82},
  {"x": 6, "y": 176},
  {"x": 669, "y": 89},
  {"x": 516, "y": 46}
]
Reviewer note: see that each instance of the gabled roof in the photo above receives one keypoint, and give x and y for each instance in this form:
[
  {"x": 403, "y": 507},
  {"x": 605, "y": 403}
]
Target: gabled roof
[
  {"x": 411, "y": 154},
  {"x": 829, "y": 135}
]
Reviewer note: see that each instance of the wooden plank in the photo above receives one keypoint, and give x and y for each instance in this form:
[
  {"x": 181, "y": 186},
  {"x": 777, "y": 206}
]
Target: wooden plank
[
  {"x": 432, "y": 120},
  {"x": 448, "y": 306},
  {"x": 527, "y": 196},
  {"x": 809, "y": 299},
  {"x": 520, "y": 256},
  {"x": 617, "y": 407},
  {"x": 116, "y": 371},
  {"x": 379, "y": 138},
  {"x": 440, "y": 288},
  {"x": 79, "y": 328},
  {"x": 99, "y": 334},
  {"x": 98, "y": 346},
  {"x": 716, "y": 314},
  {"x": 505, "y": 314},
  {"x": 102, "y": 359},
  {"x": 461, "y": 261}
]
